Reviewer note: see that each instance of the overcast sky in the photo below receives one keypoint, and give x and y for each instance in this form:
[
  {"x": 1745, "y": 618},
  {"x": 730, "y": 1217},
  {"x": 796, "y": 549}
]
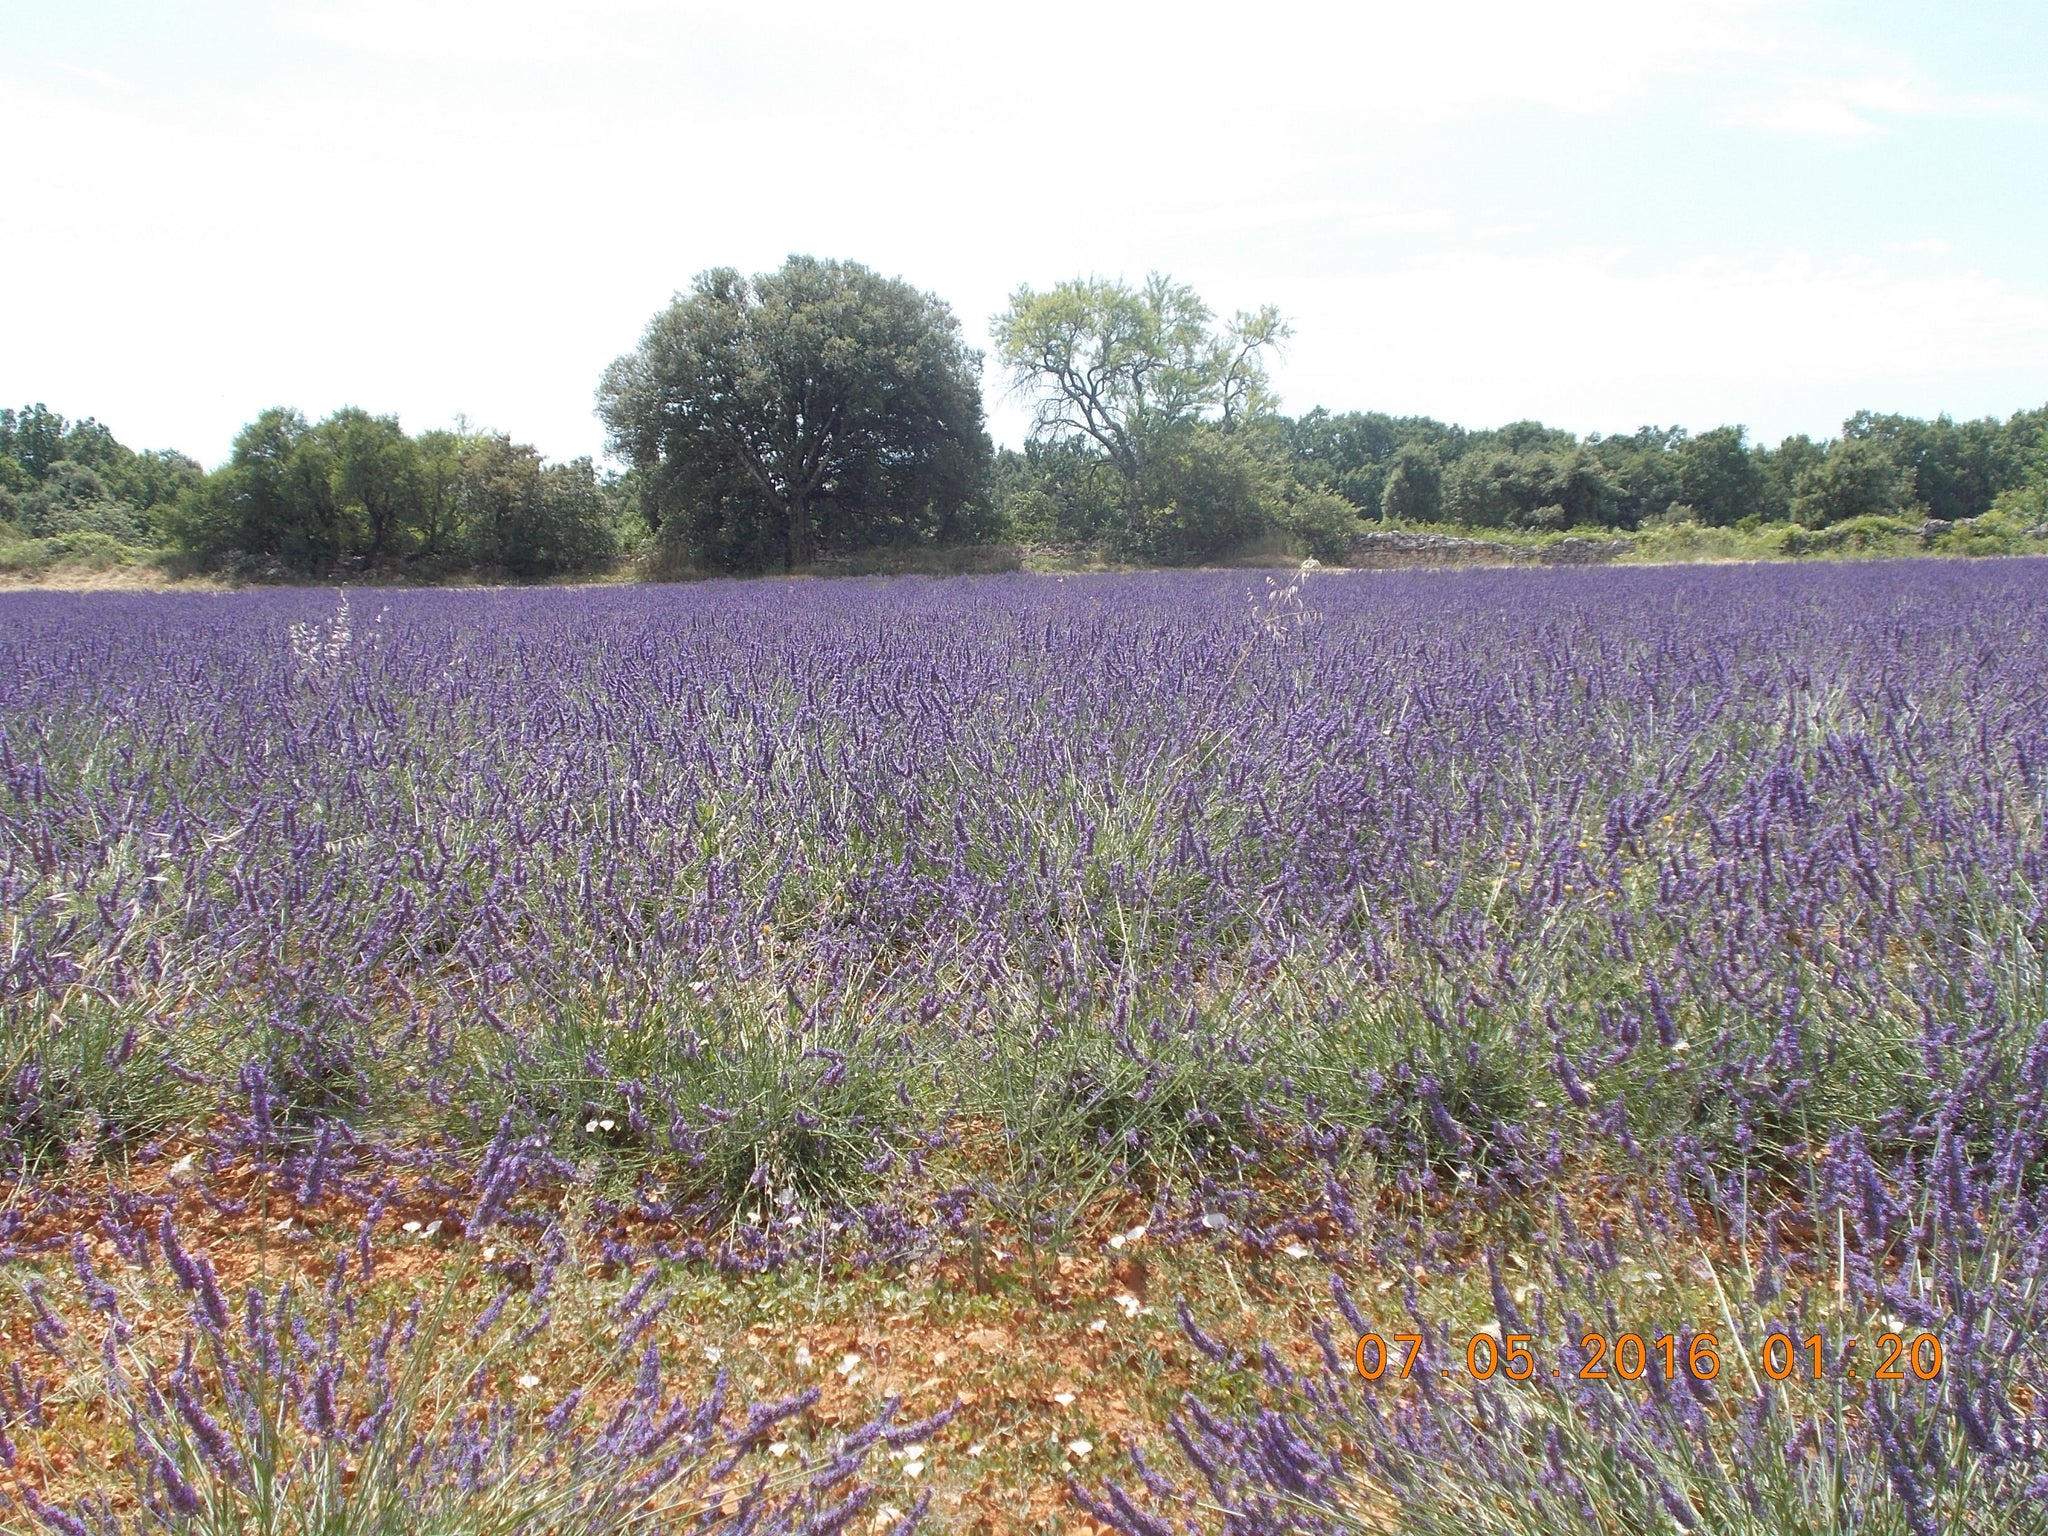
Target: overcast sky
[{"x": 1599, "y": 213}]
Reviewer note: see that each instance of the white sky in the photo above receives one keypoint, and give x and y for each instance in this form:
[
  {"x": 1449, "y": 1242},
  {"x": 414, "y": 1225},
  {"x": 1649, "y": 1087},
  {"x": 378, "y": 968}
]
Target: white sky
[{"x": 1599, "y": 213}]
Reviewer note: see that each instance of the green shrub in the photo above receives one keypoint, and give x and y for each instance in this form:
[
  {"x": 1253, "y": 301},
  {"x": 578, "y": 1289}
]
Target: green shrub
[{"x": 1322, "y": 522}]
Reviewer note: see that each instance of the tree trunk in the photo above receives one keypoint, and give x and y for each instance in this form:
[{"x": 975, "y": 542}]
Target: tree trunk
[{"x": 801, "y": 550}]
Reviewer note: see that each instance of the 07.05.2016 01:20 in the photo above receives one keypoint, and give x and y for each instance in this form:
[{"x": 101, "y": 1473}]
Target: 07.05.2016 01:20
[{"x": 1629, "y": 1357}]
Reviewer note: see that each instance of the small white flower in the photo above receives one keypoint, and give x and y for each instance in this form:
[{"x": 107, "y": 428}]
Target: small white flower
[{"x": 1079, "y": 1448}]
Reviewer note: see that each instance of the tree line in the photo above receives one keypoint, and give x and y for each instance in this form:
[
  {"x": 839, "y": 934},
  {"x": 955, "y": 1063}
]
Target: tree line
[
  {"x": 821, "y": 410},
  {"x": 313, "y": 497}
]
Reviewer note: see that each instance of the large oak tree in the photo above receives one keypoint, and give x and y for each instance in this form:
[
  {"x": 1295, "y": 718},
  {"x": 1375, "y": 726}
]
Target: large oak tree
[{"x": 821, "y": 406}]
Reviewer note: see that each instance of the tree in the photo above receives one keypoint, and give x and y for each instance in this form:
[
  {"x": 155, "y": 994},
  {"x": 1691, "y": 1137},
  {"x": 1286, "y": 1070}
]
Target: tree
[
  {"x": 74, "y": 499},
  {"x": 374, "y": 476},
  {"x": 1857, "y": 477},
  {"x": 273, "y": 497},
  {"x": 1529, "y": 490},
  {"x": 1173, "y": 407},
  {"x": 1056, "y": 491},
  {"x": 1642, "y": 469},
  {"x": 34, "y": 438},
  {"x": 529, "y": 517},
  {"x": 441, "y": 454},
  {"x": 1125, "y": 368},
  {"x": 1785, "y": 469},
  {"x": 1717, "y": 478},
  {"x": 1203, "y": 491},
  {"x": 816, "y": 406},
  {"x": 1415, "y": 487},
  {"x": 1353, "y": 454}
]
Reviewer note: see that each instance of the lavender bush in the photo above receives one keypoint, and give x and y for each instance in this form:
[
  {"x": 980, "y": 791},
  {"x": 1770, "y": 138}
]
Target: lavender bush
[
  {"x": 292, "y": 1413},
  {"x": 1716, "y": 1444}
]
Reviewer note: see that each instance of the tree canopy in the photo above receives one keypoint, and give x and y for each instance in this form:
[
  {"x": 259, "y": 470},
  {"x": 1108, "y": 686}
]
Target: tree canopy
[
  {"x": 818, "y": 407},
  {"x": 1121, "y": 365},
  {"x": 356, "y": 488},
  {"x": 1147, "y": 383},
  {"x": 60, "y": 477}
]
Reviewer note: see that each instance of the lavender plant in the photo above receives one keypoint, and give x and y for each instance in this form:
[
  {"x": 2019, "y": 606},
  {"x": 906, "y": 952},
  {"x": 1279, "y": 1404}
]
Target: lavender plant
[{"x": 271, "y": 1416}]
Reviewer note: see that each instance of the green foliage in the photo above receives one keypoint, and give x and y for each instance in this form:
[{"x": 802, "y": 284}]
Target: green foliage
[
  {"x": 767, "y": 1106},
  {"x": 1355, "y": 453},
  {"x": 1958, "y": 469},
  {"x": 1784, "y": 467},
  {"x": 1532, "y": 490},
  {"x": 1056, "y": 491},
  {"x": 1856, "y": 478},
  {"x": 1125, "y": 367},
  {"x": 1719, "y": 478},
  {"x": 1854, "y": 535},
  {"x": 817, "y": 408},
  {"x": 527, "y": 517},
  {"x": 74, "y": 499},
  {"x": 355, "y": 486},
  {"x": 1414, "y": 490},
  {"x": 1322, "y": 522},
  {"x": 1203, "y": 492},
  {"x": 85, "y": 551},
  {"x": 374, "y": 477},
  {"x": 1175, "y": 407},
  {"x": 60, "y": 478},
  {"x": 823, "y": 412},
  {"x": 35, "y": 438}
]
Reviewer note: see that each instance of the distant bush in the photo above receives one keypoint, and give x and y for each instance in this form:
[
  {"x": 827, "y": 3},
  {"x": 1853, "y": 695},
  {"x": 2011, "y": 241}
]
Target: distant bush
[
  {"x": 1856, "y": 535},
  {"x": 88, "y": 550}
]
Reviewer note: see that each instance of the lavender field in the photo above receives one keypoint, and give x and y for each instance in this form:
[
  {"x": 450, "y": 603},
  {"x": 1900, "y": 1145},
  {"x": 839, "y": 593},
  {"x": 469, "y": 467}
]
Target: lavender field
[{"x": 1509, "y": 953}]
